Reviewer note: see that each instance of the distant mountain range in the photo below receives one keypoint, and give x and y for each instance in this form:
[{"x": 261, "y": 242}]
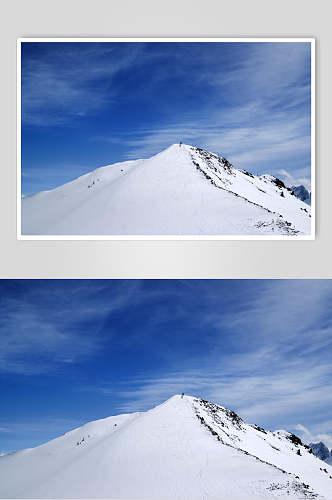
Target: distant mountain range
[
  {"x": 302, "y": 194},
  {"x": 321, "y": 451},
  {"x": 185, "y": 448},
  {"x": 184, "y": 190}
]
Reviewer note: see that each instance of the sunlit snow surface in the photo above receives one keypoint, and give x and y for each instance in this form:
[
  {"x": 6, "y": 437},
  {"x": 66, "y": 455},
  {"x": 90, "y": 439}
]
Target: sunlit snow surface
[
  {"x": 181, "y": 191},
  {"x": 185, "y": 448}
]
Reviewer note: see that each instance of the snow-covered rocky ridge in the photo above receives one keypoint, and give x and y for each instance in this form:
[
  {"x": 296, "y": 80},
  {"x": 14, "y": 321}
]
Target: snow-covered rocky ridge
[
  {"x": 183, "y": 190},
  {"x": 185, "y": 448}
]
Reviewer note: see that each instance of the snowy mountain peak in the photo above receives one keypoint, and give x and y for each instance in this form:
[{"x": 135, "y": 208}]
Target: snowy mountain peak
[
  {"x": 183, "y": 190},
  {"x": 186, "y": 447}
]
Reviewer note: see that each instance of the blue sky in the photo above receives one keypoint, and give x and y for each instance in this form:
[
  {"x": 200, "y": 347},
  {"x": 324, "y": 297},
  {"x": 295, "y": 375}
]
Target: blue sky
[
  {"x": 72, "y": 351},
  {"x": 85, "y": 105}
]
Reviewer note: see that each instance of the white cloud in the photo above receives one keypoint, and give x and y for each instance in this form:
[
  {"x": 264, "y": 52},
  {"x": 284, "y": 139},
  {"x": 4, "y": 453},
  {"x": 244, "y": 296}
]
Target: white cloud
[
  {"x": 309, "y": 436},
  {"x": 295, "y": 178}
]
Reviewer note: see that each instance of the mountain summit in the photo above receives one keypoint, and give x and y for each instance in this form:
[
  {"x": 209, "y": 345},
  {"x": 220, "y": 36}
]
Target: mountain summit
[
  {"x": 183, "y": 190},
  {"x": 185, "y": 448}
]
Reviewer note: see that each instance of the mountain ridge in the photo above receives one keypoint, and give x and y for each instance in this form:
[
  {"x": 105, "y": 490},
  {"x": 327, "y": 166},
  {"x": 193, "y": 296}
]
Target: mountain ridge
[
  {"x": 186, "y": 447},
  {"x": 183, "y": 190}
]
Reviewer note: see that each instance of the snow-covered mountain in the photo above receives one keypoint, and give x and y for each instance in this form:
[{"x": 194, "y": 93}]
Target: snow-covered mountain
[
  {"x": 183, "y": 190},
  {"x": 185, "y": 448},
  {"x": 302, "y": 193},
  {"x": 321, "y": 451}
]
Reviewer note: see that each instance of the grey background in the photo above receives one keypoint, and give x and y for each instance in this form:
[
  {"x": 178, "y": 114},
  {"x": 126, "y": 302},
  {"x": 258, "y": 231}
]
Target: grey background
[{"x": 165, "y": 259}]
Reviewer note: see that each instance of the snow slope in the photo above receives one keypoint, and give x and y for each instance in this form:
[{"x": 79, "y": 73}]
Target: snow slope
[
  {"x": 185, "y": 448},
  {"x": 181, "y": 191}
]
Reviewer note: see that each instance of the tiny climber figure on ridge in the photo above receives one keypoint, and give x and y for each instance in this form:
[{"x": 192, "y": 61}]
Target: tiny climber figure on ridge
[
  {"x": 182, "y": 395},
  {"x": 180, "y": 143}
]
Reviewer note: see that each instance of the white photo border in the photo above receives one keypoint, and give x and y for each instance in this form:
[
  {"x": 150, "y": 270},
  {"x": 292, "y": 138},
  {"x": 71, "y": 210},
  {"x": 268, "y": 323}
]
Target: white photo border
[{"x": 312, "y": 235}]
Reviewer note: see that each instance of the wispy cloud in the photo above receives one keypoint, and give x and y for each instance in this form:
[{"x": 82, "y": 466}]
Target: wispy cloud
[
  {"x": 71, "y": 80},
  {"x": 260, "y": 360},
  {"x": 297, "y": 177},
  {"x": 264, "y": 124},
  {"x": 272, "y": 400},
  {"x": 260, "y": 347},
  {"x": 249, "y": 102},
  {"x": 273, "y": 72},
  {"x": 316, "y": 434},
  {"x": 260, "y": 148},
  {"x": 56, "y": 323}
]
